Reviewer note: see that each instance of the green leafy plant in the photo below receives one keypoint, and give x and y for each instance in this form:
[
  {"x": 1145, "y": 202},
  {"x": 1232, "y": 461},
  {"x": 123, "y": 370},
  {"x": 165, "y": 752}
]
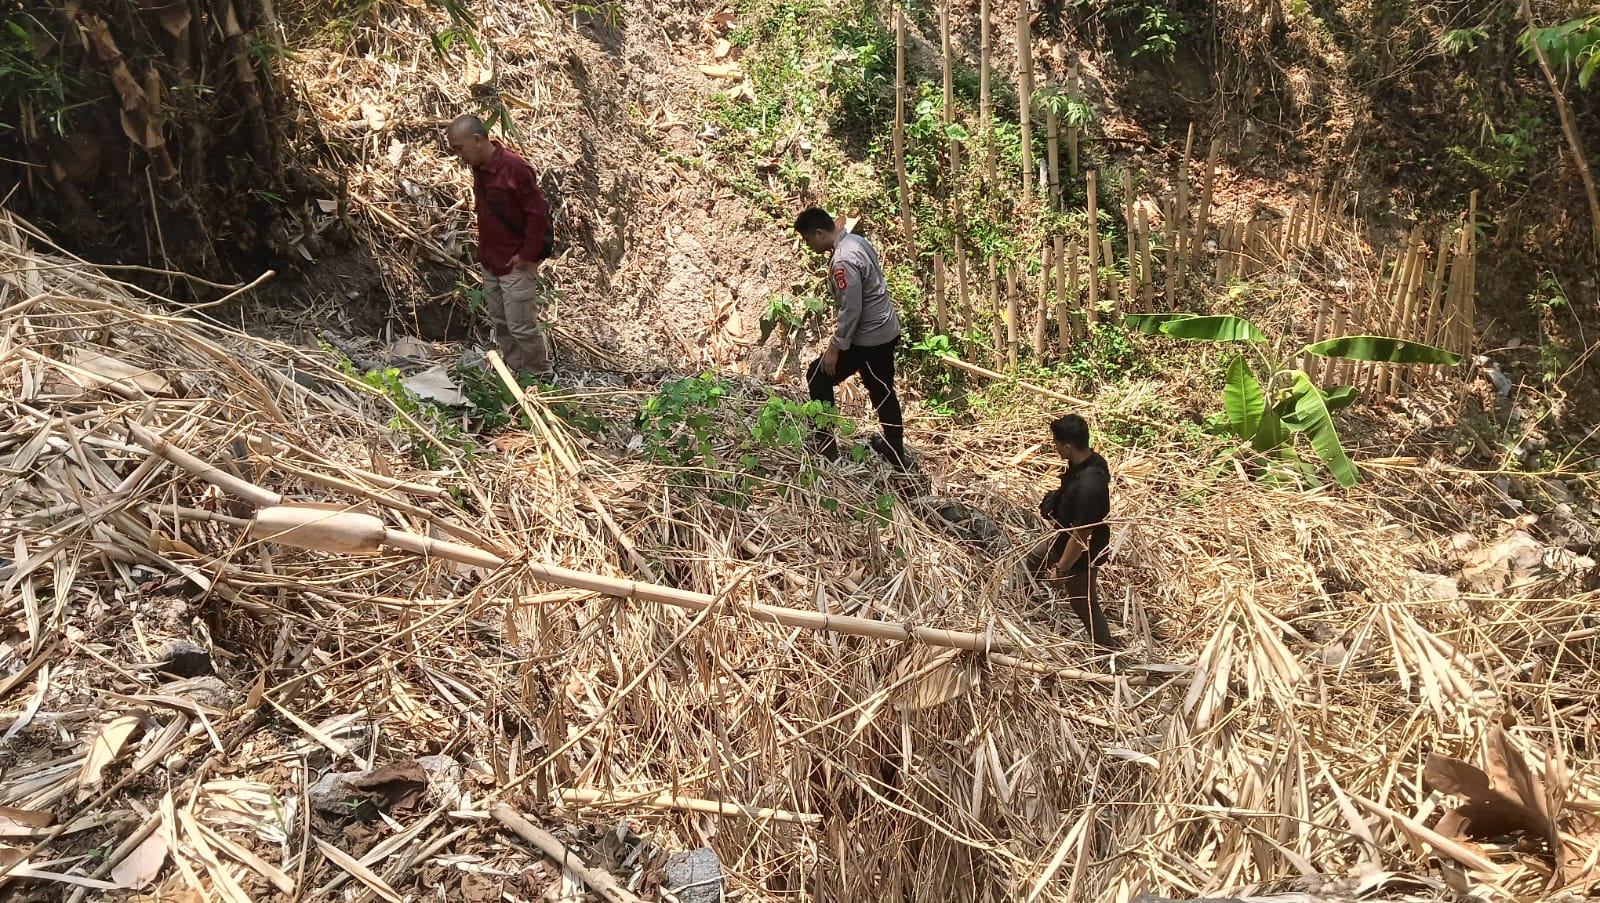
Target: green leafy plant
[
  {"x": 1268, "y": 418},
  {"x": 790, "y": 312},
  {"x": 676, "y": 421},
  {"x": 1458, "y": 41},
  {"x": 1572, "y": 45},
  {"x": 1071, "y": 109}
]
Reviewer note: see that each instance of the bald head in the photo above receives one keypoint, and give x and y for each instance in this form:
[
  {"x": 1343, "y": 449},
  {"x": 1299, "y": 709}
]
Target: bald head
[{"x": 469, "y": 140}]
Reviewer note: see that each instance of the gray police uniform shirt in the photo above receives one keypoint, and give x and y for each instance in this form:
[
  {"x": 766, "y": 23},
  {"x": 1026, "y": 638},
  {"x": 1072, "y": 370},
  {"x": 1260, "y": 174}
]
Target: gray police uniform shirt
[{"x": 855, "y": 277}]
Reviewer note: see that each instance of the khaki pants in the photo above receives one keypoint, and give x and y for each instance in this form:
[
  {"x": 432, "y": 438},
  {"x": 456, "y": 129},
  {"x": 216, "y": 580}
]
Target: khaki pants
[
  {"x": 513, "y": 303},
  {"x": 1081, "y": 587}
]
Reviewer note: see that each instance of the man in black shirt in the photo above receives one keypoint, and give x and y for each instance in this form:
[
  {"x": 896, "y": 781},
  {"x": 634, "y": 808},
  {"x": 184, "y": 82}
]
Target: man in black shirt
[{"x": 1066, "y": 560}]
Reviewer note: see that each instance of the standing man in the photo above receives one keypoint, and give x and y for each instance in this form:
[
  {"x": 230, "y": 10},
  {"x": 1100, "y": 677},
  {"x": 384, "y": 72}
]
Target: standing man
[
  {"x": 1068, "y": 559},
  {"x": 513, "y": 239},
  {"x": 867, "y": 334}
]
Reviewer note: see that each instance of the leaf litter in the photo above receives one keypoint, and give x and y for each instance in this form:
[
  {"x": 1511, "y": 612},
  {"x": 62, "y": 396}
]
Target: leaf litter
[{"x": 485, "y": 713}]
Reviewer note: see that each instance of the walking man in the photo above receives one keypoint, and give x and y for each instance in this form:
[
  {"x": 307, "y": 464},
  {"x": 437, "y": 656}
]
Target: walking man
[
  {"x": 866, "y": 336},
  {"x": 513, "y": 239},
  {"x": 1067, "y": 559}
]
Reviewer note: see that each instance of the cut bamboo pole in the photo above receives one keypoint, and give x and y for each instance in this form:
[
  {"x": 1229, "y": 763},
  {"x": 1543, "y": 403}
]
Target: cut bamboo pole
[
  {"x": 963, "y": 290},
  {"x": 586, "y": 797},
  {"x": 1113, "y": 294},
  {"x": 1052, "y": 147},
  {"x": 1180, "y": 236},
  {"x": 1132, "y": 236},
  {"x": 597, "y": 880},
  {"x": 1146, "y": 282},
  {"x": 1202, "y": 221},
  {"x": 1291, "y": 224},
  {"x": 1430, "y": 327},
  {"x": 1072, "y": 129},
  {"x": 1025, "y": 95},
  {"x": 1249, "y": 262},
  {"x": 1345, "y": 367},
  {"x": 996, "y": 315},
  {"x": 1064, "y": 260},
  {"x": 1472, "y": 273},
  {"x": 1312, "y": 364},
  {"x": 953, "y": 153},
  {"x": 1169, "y": 216},
  {"x": 985, "y": 107},
  {"x": 899, "y": 136},
  {"x": 1041, "y": 320},
  {"x": 1411, "y": 305},
  {"x": 1092, "y": 315},
  {"x": 941, "y": 304},
  {"x": 1012, "y": 326},
  {"x": 1389, "y": 373}
]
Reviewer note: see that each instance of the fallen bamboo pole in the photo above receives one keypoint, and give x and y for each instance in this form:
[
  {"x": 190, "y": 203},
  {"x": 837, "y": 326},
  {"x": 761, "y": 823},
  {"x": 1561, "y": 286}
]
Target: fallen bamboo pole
[
  {"x": 959, "y": 364},
  {"x": 584, "y": 797},
  {"x": 596, "y": 880}
]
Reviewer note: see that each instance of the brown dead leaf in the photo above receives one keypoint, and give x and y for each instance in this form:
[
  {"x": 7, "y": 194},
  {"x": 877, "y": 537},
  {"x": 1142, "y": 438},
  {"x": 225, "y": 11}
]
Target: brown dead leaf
[
  {"x": 142, "y": 865},
  {"x": 478, "y": 888},
  {"x": 400, "y": 785},
  {"x": 29, "y": 817},
  {"x": 106, "y": 748},
  {"x": 1486, "y": 812},
  {"x": 722, "y": 49}
]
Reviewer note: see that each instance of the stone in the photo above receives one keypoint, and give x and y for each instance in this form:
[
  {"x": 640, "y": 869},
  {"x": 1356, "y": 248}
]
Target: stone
[{"x": 695, "y": 876}]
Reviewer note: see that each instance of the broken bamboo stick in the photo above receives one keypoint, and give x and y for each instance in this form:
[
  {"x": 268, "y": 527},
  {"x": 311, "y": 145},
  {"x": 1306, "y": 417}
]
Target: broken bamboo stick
[
  {"x": 595, "y": 879},
  {"x": 586, "y": 797}
]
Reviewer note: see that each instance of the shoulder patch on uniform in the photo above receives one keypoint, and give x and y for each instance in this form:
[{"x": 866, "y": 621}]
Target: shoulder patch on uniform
[{"x": 840, "y": 280}]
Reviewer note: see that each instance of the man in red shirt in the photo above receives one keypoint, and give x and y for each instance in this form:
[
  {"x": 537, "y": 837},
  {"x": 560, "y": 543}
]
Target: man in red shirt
[{"x": 513, "y": 239}]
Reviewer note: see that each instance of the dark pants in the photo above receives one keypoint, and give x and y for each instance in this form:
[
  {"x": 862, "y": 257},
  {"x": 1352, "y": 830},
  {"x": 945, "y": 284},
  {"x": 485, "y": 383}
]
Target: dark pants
[
  {"x": 875, "y": 363},
  {"x": 1081, "y": 586}
]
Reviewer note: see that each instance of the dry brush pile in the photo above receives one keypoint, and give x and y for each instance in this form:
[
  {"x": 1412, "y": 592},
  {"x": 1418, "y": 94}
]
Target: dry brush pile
[{"x": 196, "y": 711}]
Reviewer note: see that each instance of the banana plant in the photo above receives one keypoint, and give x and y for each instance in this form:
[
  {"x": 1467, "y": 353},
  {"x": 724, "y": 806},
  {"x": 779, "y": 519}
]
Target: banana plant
[{"x": 1291, "y": 403}]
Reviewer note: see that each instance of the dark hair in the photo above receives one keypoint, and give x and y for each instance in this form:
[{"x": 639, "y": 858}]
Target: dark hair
[
  {"x": 468, "y": 124},
  {"x": 814, "y": 219},
  {"x": 1071, "y": 430}
]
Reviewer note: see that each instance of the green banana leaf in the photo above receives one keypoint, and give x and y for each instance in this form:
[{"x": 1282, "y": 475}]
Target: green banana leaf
[
  {"x": 1242, "y": 398},
  {"x": 1213, "y": 329},
  {"x": 1383, "y": 350},
  {"x": 1340, "y": 397},
  {"x": 1270, "y": 433},
  {"x": 1150, "y": 324},
  {"x": 1305, "y": 411}
]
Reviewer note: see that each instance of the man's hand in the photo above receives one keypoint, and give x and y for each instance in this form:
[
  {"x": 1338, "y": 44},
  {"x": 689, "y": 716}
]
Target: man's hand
[
  {"x": 527, "y": 267},
  {"x": 830, "y": 359}
]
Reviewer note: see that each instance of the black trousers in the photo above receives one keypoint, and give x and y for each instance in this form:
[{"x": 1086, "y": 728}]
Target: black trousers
[
  {"x": 1081, "y": 586},
  {"x": 875, "y": 363}
]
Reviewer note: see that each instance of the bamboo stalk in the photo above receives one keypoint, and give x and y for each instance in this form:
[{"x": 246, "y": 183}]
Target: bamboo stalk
[
  {"x": 1180, "y": 237},
  {"x": 1064, "y": 260},
  {"x": 941, "y": 309},
  {"x": 985, "y": 108},
  {"x": 1248, "y": 262},
  {"x": 1052, "y": 147},
  {"x": 996, "y": 316},
  {"x": 1169, "y": 215},
  {"x": 1133, "y": 238},
  {"x": 1025, "y": 94},
  {"x": 1395, "y": 300},
  {"x": 963, "y": 290},
  {"x": 1011, "y": 316},
  {"x": 1411, "y": 303},
  {"x": 1202, "y": 223},
  {"x": 1472, "y": 272},
  {"x": 597, "y": 880},
  {"x": 899, "y": 137},
  {"x": 953, "y": 153},
  {"x": 1113, "y": 294},
  {"x": 587, "y": 797},
  {"x": 1314, "y": 221},
  {"x": 1430, "y": 333},
  {"x": 1092, "y": 315},
  {"x": 1146, "y": 280},
  {"x": 1340, "y": 319},
  {"x": 1312, "y": 364},
  {"x": 1072, "y": 129},
  {"x": 1291, "y": 224},
  {"x": 1041, "y": 319},
  {"x": 1225, "y": 253}
]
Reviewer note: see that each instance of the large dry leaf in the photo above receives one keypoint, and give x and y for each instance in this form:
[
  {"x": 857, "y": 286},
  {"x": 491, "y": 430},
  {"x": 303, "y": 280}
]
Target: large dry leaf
[
  {"x": 1487, "y": 812},
  {"x": 107, "y": 746},
  {"x": 143, "y": 864}
]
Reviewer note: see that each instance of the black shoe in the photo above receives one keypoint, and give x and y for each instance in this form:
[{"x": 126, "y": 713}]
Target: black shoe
[{"x": 895, "y": 457}]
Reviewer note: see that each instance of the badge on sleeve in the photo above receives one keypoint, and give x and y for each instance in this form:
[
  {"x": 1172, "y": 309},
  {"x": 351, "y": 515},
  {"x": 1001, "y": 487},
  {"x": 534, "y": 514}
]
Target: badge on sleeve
[{"x": 839, "y": 280}]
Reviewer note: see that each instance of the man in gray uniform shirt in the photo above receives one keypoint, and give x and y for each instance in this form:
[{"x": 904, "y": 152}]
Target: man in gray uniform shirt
[{"x": 868, "y": 332}]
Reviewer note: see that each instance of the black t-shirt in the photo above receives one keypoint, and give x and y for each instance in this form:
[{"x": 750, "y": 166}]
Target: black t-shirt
[{"x": 1084, "y": 499}]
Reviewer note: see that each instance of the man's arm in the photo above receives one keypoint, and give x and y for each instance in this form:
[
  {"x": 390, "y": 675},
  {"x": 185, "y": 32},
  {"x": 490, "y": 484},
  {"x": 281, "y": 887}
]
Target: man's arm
[
  {"x": 847, "y": 285},
  {"x": 535, "y": 213}
]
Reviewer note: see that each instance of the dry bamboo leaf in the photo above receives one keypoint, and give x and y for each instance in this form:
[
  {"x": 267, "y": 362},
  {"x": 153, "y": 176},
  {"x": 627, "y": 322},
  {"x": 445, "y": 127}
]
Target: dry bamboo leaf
[
  {"x": 105, "y": 749},
  {"x": 358, "y": 871},
  {"x": 31, "y": 709},
  {"x": 27, "y": 817}
]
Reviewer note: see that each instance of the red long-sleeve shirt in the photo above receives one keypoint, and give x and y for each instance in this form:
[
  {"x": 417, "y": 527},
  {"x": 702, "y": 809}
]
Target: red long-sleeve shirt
[{"x": 513, "y": 217}]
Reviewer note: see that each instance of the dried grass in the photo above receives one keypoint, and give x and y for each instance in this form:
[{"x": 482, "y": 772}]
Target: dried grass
[{"x": 1313, "y": 669}]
